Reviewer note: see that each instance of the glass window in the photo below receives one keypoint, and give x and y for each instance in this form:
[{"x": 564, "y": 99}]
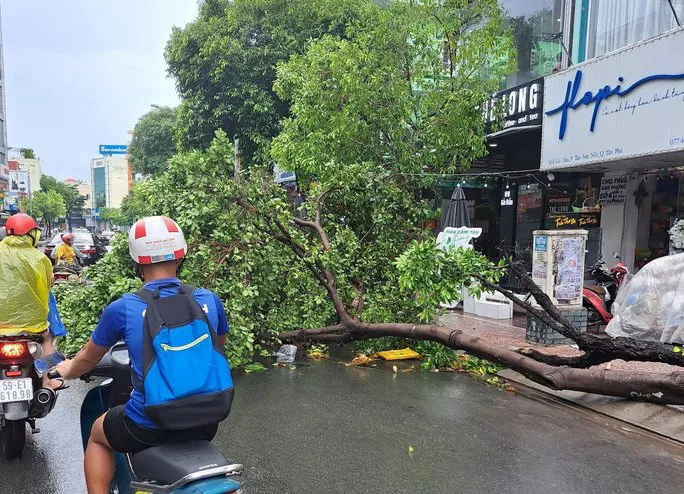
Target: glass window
[
  {"x": 617, "y": 23},
  {"x": 537, "y": 29}
]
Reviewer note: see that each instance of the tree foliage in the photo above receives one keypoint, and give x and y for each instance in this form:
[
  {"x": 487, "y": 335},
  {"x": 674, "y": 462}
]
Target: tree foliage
[
  {"x": 404, "y": 91},
  {"x": 73, "y": 201},
  {"x": 27, "y": 153},
  {"x": 224, "y": 63},
  {"x": 153, "y": 141},
  {"x": 113, "y": 216},
  {"x": 47, "y": 206}
]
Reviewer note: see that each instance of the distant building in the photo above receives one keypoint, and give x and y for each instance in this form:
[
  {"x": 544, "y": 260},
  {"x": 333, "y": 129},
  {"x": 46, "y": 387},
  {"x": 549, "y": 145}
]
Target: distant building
[
  {"x": 32, "y": 166},
  {"x": 83, "y": 189},
  {"x": 110, "y": 179}
]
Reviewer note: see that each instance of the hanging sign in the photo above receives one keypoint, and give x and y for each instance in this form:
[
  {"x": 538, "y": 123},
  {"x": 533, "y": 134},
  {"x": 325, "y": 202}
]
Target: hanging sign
[
  {"x": 457, "y": 238},
  {"x": 613, "y": 190}
]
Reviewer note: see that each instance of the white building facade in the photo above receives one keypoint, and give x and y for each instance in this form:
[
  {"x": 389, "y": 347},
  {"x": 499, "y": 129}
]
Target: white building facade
[
  {"x": 110, "y": 179},
  {"x": 622, "y": 115}
]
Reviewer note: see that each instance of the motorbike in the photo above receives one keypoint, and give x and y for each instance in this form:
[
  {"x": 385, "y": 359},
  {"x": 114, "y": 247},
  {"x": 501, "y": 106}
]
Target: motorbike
[
  {"x": 22, "y": 397},
  {"x": 191, "y": 467},
  {"x": 64, "y": 274},
  {"x": 598, "y": 295}
]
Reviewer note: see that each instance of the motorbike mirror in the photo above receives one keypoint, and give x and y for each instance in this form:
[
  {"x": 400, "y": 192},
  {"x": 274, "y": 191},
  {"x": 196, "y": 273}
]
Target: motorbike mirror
[{"x": 48, "y": 363}]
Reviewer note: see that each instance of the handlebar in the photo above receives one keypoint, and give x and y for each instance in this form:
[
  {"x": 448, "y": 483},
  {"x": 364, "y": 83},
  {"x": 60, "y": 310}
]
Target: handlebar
[{"x": 115, "y": 361}]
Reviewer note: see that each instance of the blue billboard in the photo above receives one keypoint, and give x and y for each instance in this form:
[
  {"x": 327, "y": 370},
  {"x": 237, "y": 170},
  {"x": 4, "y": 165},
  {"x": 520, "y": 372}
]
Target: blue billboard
[{"x": 108, "y": 149}]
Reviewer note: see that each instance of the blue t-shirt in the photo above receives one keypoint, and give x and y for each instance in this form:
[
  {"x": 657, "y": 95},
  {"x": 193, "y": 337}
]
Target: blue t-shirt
[{"x": 123, "y": 320}]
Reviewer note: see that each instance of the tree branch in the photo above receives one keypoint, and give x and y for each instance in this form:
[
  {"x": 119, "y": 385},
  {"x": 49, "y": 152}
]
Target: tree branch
[{"x": 655, "y": 388}]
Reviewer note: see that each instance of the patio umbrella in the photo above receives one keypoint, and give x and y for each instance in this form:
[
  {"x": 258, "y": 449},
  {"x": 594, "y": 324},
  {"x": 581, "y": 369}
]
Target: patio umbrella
[{"x": 455, "y": 211}]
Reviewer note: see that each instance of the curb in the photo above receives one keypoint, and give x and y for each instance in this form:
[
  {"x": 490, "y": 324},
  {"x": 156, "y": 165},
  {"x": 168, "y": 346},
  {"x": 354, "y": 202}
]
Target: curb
[{"x": 663, "y": 420}]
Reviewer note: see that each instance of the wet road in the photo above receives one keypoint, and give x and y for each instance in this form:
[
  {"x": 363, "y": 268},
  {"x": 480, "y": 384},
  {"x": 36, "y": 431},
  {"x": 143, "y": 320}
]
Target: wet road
[{"x": 324, "y": 428}]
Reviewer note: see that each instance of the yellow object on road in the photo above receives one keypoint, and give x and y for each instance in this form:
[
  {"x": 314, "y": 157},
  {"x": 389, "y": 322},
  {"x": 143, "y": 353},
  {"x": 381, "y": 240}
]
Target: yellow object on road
[{"x": 405, "y": 354}]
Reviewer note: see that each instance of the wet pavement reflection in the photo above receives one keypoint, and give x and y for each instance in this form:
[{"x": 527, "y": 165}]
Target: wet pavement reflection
[{"x": 322, "y": 427}]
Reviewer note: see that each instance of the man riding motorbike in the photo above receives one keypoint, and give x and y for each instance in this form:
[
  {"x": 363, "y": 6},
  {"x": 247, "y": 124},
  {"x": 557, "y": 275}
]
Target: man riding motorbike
[
  {"x": 25, "y": 279},
  {"x": 67, "y": 255},
  {"x": 157, "y": 246}
]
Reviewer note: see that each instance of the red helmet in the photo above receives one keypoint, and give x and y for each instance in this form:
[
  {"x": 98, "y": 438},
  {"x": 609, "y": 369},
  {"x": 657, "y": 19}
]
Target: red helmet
[
  {"x": 67, "y": 237},
  {"x": 20, "y": 224}
]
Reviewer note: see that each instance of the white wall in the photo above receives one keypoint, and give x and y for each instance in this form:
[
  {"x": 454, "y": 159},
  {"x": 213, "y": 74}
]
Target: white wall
[{"x": 116, "y": 177}]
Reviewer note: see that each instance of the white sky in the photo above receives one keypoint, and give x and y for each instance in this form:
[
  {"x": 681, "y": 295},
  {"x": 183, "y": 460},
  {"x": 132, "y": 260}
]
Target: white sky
[{"x": 79, "y": 73}]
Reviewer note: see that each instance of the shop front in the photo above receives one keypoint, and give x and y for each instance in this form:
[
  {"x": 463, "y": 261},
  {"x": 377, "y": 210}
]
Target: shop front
[{"x": 618, "y": 121}]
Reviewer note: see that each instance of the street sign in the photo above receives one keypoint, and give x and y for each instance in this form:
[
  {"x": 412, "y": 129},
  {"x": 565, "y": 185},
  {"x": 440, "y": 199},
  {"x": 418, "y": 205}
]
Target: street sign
[{"x": 108, "y": 149}]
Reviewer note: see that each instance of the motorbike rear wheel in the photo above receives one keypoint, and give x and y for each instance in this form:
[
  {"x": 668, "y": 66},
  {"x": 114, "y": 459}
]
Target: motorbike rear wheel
[{"x": 14, "y": 438}]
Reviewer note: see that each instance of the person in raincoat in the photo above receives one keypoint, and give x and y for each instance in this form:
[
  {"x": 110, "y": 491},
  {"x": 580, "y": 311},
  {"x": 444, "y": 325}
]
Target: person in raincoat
[
  {"x": 25, "y": 281},
  {"x": 67, "y": 255}
]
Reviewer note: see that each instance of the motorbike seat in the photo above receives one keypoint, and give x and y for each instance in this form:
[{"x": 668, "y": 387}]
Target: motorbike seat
[
  {"x": 179, "y": 463},
  {"x": 597, "y": 289}
]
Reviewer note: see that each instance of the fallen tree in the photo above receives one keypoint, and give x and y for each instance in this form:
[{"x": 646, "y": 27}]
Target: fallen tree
[{"x": 548, "y": 371}]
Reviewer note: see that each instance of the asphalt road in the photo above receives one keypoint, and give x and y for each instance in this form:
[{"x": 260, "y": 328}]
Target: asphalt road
[{"x": 323, "y": 428}]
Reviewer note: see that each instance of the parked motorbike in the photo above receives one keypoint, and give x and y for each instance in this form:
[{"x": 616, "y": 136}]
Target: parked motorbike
[
  {"x": 195, "y": 467},
  {"x": 22, "y": 397},
  {"x": 598, "y": 295}
]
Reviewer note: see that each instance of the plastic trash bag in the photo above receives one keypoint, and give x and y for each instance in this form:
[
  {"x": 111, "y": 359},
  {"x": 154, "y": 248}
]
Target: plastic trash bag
[
  {"x": 651, "y": 306},
  {"x": 25, "y": 278},
  {"x": 286, "y": 354}
]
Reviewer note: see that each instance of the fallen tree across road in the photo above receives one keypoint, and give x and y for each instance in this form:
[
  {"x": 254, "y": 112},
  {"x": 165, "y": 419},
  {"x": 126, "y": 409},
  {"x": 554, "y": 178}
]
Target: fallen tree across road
[{"x": 655, "y": 388}]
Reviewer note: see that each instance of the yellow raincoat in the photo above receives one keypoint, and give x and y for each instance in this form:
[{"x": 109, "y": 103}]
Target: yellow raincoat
[
  {"x": 25, "y": 279},
  {"x": 65, "y": 252}
]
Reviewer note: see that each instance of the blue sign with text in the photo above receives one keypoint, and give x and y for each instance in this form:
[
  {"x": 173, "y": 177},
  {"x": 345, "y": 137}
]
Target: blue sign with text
[
  {"x": 541, "y": 243},
  {"x": 106, "y": 149}
]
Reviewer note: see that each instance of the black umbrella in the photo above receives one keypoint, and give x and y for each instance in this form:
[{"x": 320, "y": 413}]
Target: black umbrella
[{"x": 455, "y": 211}]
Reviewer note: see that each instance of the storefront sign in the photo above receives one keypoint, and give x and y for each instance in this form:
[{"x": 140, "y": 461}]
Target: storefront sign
[
  {"x": 457, "y": 238},
  {"x": 507, "y": 199},
  {"x": 613, "y": 190},
  {"x": 624, "y": 105},
  {"x": 572, "y": 221},
  {"x": 518, "y": 106}
]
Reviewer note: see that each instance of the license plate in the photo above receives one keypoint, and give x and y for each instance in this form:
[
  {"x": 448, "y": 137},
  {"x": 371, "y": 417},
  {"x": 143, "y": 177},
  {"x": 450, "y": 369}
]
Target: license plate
[{"x": 16, "y": 390}]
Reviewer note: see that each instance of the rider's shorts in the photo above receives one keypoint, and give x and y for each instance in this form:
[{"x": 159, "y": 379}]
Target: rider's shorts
[{"x": 125, "y": 436}]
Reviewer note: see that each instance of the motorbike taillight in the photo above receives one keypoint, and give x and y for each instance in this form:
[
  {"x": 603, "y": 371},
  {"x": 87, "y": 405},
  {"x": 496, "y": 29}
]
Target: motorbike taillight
[{"x": 13, "y": 351}]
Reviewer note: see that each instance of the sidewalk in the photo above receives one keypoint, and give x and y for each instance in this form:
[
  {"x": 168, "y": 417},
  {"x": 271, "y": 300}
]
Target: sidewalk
[{"x": 667, "y": 421}]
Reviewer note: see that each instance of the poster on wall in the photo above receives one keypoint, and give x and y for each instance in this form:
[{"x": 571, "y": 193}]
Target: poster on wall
[
  {"x": 627, "y": 104},
  {"x": 613, "y": 190},
  {"x": 569, "y": 261},
  {"x": 19, "y": 183}
]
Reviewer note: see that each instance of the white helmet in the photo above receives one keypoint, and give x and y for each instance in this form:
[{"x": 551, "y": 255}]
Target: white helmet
[{"x": 156, "y": 239}]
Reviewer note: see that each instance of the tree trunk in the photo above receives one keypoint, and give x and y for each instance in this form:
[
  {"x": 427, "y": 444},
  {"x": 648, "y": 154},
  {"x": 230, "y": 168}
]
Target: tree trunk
[{"x": 655, "y": 388}]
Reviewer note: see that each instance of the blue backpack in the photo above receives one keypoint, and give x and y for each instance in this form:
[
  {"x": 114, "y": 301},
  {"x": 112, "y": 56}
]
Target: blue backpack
[{"x": 186, "y": 378}]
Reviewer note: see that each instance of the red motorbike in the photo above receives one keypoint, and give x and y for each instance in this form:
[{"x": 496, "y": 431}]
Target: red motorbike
[{"x": 599, "y": 294}]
